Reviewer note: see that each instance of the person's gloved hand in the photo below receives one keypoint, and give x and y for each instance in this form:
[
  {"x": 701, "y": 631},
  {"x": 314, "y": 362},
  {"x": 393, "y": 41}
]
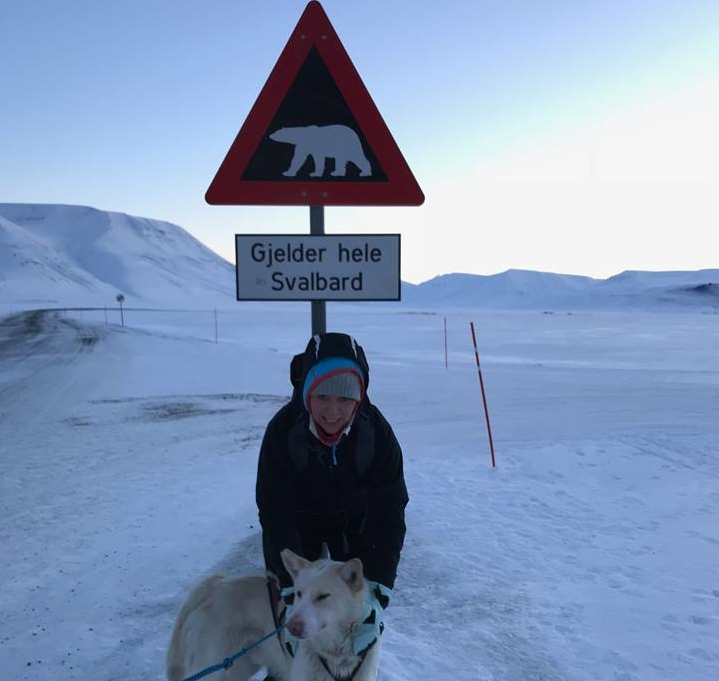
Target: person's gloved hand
[
  {"x": 377, "y": 601},
  {"x": 288, "y": 598}
]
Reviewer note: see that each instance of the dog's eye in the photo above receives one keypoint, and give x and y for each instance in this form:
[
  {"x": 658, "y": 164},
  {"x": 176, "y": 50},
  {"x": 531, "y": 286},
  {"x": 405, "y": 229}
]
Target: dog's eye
[
  {"x": 299, "y": 594},
  {"x": 321, "y": 597}
]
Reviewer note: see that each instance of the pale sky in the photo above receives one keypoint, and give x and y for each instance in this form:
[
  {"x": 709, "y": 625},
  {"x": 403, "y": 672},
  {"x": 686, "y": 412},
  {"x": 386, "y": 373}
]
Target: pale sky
[{"x": 566, "y": 136}]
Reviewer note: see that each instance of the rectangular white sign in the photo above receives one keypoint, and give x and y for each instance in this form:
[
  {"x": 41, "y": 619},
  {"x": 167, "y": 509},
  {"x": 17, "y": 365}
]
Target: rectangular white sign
[{"x": 317, "y": 267}]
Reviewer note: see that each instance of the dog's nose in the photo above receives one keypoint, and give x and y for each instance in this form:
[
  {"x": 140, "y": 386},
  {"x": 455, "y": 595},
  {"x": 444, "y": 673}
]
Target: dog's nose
[{"x": 295, "y": 627}]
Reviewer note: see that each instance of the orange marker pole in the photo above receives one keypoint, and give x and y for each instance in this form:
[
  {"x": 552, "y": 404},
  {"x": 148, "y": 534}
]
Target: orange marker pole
[{"x": 484, "y": 398}]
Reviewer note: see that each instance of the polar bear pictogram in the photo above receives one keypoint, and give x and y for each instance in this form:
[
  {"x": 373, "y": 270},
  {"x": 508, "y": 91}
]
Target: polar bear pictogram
[{"x": 322, "y": 142}]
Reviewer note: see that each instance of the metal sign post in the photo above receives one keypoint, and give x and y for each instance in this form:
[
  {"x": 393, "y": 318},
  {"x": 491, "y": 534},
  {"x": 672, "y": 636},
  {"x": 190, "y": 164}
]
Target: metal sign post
[{"x": 319, "y": 307}]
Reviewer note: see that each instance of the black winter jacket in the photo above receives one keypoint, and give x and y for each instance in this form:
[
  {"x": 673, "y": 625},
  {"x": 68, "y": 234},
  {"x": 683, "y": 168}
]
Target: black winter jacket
[{"x": 356, "y": 506}]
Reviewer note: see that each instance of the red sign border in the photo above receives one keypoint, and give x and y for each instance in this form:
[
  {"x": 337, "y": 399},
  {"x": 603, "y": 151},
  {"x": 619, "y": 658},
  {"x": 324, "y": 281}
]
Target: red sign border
[{"x": 400, "y": 189}]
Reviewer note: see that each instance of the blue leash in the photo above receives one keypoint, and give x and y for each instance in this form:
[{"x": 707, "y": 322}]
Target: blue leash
[{"x": 229, "y": 661}]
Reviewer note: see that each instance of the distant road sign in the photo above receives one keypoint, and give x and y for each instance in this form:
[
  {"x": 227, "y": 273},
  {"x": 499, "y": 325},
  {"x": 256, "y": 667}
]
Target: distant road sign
[
  {"x": 314, "y": 136},
  {"x": 318, "y": 267}
]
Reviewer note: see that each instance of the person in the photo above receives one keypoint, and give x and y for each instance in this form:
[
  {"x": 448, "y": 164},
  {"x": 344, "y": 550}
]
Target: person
[{"x": 330, "y": 471}]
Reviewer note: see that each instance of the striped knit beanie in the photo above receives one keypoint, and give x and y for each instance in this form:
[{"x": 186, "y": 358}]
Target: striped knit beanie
[{"x": 334, "y": 376}]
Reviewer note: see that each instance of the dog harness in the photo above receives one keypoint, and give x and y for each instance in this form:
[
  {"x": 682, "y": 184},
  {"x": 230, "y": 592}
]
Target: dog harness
[{"x": 362, "y": 656}]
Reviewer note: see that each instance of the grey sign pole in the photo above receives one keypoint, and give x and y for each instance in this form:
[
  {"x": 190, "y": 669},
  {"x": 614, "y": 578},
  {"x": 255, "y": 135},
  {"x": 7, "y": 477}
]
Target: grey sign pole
[{"x": 319, "y": 309}]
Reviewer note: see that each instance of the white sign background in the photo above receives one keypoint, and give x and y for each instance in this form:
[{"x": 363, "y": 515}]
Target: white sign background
[{"x": 318, "y": 266}]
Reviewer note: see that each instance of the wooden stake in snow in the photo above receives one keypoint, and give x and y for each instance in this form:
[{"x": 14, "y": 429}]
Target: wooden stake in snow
[
  {"x": 484, "y": 398},
  {"x": 445, "y": 342}
]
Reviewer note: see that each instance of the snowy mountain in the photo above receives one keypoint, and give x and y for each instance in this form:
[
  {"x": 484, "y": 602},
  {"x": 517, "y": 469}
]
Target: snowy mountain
[
  {"x": 698, "y": 288},
  {"x": 54, "y": 255},
  {"x": 66, "y": 255},
  {"x": 508, "y": 290},
  {"x": 523, "y": 289}
]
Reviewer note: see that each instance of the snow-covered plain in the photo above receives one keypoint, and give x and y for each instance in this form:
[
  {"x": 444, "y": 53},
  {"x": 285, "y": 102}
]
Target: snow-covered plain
[{"x": 590, "y": 553}]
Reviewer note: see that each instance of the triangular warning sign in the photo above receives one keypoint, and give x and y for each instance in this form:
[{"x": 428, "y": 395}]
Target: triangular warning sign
[{"x": 314, "y": 136}]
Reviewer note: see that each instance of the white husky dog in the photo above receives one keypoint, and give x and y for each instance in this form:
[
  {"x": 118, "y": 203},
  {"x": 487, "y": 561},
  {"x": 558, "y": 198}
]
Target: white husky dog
[{"x": 224, "y": 614}]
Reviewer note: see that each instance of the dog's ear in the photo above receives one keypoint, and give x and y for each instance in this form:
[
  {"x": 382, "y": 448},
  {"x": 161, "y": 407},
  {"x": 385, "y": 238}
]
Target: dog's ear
[
  {"x": 351, "y": 573},
  {"x": 293, "y": 562}
]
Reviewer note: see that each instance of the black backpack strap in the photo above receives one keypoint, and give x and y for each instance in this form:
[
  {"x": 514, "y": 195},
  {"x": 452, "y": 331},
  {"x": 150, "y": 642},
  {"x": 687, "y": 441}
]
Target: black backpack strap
[
  {"x": 298, "y": 445},
  {"x": 365, "y": 445}
]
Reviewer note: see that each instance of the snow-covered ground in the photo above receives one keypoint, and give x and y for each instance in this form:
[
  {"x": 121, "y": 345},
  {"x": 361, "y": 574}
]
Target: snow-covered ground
[{"x": 590, "y": 553}]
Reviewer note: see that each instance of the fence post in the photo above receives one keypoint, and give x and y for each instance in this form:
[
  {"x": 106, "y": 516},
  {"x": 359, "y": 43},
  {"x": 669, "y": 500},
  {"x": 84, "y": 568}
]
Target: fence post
[{"x": 445, "y": 342}]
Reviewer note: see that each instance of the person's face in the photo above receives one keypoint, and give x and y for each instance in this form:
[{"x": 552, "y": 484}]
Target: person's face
[{"x": 331, "y": 412}]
